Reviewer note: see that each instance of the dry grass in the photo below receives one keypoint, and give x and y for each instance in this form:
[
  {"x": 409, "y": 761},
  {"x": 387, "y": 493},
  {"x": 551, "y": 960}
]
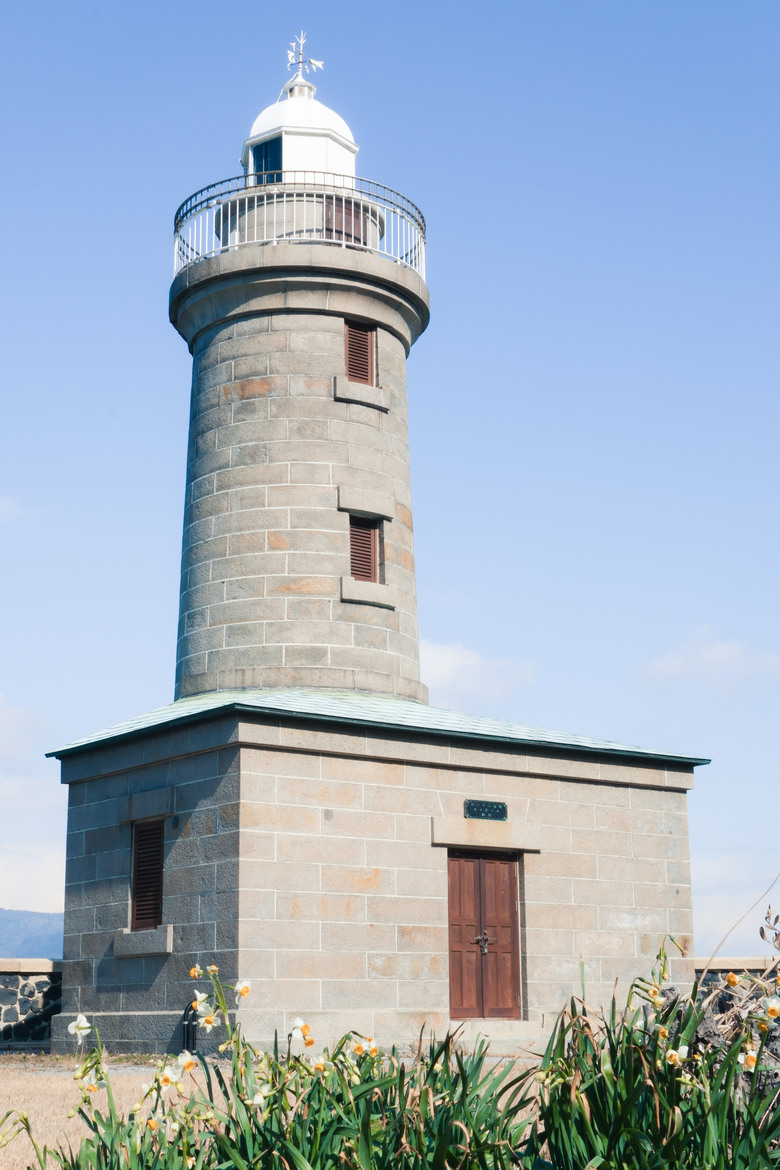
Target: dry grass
[{"x": 44, "y": 1089}]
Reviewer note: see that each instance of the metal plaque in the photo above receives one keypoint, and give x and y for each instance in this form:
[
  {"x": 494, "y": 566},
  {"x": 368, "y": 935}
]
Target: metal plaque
[{"x": 484, "y": 810}]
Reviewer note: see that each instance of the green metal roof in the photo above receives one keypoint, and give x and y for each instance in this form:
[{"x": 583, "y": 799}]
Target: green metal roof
[{"x": 364, "y": 709}]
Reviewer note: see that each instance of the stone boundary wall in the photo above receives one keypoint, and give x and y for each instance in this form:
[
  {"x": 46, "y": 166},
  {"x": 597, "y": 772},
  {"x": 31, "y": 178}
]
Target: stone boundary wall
[
  {"x": 30, "y": 994},
  {"x": 718, "y": 967}
]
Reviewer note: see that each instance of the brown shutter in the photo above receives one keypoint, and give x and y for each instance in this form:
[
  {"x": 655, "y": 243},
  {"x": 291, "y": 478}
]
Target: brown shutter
[
  {"x": 147, "y": 875},
  {"x": 363, "y": 548},
  {"x": 359, "y": 344}
]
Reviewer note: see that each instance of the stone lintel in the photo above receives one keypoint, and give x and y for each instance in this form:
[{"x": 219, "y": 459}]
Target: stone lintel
[
  {"x": 475, "y": 834},
  {"x": 363, "y": 502}
]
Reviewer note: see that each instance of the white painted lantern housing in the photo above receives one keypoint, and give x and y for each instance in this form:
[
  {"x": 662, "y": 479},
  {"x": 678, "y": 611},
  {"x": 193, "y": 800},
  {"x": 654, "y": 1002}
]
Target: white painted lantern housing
[{"x": 299, "y": 134}]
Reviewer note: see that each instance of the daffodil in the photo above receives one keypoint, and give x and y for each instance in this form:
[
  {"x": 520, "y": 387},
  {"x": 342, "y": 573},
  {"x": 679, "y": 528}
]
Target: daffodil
[
  {"x": 675, "y": 1056},
  {"x": 169, "y": 1077},
  {"x": 748, "y": 1059},
  {"x": 663, "y": 1033},
  {"x": 212, "y": 969},
  {"x": 771, "y": 1006},
  {"x": 208, "y": 1020},
  {"x": 185, "y": 1061},
  {"x": 80, "y": 1027},
  {"x": 199, "y": 1000},
  {"x": 299, "y": 1030},
  {"x": 732, "y": 979},
  {"x": 258, "y": 1099},
  {"x": 242, "y": 990},
  {"x": 196, "y": 972}
]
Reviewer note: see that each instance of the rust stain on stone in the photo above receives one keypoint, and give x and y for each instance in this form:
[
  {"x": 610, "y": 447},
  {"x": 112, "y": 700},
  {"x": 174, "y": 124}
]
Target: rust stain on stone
[
  {"x": 277, "y": 540},
  {"x": 247, "y": 388},
  {"x": 404, "y": 515},
  {"x": 302, "y": 585}
]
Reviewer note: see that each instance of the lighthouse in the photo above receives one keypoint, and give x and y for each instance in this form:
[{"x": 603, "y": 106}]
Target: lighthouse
[
  {"x": 299, "y": 290},
  {"x": 299, "y": 815}
]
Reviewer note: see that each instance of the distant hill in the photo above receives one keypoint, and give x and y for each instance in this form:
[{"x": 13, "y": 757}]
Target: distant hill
[{"x": 27, "y": 934}]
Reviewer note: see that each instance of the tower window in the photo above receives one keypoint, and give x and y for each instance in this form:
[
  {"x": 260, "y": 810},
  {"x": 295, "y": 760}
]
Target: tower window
[
  {"x": 267, "y": 160},
  {"x": 359, "y": 343},
  {"x": 146, "y": 901},
  {"x": 364, "y": 548}
]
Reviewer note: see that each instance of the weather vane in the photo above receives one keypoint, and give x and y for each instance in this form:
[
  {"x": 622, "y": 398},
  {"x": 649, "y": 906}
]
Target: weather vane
[{"x": 297, "y": 57}]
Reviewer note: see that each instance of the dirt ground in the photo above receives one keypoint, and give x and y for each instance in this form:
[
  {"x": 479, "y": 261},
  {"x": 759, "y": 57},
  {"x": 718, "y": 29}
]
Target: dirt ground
[{"x": 43, "y": 1087}]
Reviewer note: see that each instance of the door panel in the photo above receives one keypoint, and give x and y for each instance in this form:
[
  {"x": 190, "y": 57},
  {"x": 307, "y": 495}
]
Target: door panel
[
  {"x": 465, "y": 971},
  {"x": 483, "y": 895}
]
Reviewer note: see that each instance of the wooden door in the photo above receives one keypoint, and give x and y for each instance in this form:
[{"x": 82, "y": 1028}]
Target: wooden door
[{"x": 484, "y": 936}]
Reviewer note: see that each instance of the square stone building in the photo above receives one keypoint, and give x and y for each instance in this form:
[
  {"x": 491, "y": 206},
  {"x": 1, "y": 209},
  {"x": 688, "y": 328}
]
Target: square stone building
[
  {"x": 299, "y": 814},
  {"x": 320, "y": 844}
]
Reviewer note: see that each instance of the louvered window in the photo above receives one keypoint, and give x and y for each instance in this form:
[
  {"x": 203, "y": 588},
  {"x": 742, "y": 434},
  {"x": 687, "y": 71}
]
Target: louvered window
[
  {"x": 359, "y": 342},
  {"x": 147, "y": 875},
  {"x": 364, "y": 548}
]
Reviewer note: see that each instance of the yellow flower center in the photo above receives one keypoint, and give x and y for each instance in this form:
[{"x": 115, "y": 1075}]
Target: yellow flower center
[
  {"x": 750, "y": 1060},
  {"x": 663, "y": 1033},
  {"x": 152, "y": 1123},
  {"x": 188, "y": 1064},
  {"x": 732, "y": 979},
  {"x": 308, "y": 1041},
  {"x": 208, "y": 1020},
  {"x": 243, "y": 990},
  {"x": 773, "y": 1012}
]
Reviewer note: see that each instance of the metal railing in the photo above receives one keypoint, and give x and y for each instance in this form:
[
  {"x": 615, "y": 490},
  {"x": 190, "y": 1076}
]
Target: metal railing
[{"x": 299, "y": 207}]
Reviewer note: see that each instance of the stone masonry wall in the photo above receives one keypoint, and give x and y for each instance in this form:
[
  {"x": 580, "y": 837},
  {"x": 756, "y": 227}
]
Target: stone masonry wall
[
  {"x": 30, "y": 995},
  {"x": 135, "y": 983},
  {"x": 312, "y": 860},
  {"x": 343, "y": 874},
  {"x": 282, "y": 449}
]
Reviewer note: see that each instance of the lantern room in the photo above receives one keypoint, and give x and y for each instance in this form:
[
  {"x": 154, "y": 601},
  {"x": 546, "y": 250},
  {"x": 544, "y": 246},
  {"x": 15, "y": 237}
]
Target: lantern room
[{"x": 298, "y": 133}]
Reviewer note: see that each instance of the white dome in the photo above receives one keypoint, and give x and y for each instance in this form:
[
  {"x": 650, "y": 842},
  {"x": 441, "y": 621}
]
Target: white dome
[{"x": 297, "y": 113}]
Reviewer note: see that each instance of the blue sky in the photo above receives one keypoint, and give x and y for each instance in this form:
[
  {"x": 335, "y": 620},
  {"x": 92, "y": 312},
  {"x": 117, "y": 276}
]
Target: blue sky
[{"x": 594, "y": 407}]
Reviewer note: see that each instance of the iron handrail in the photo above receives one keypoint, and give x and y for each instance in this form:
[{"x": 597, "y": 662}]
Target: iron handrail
[{"x": 214, "y": 219}]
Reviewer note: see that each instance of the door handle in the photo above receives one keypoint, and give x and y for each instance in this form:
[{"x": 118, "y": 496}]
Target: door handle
[{"x": 483, "y": 940}]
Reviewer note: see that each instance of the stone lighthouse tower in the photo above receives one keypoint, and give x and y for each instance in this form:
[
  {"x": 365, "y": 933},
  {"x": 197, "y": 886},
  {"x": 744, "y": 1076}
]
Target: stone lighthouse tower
[
  {"x": 299, "y": 290},
  {"x": 299, "y": 815}
]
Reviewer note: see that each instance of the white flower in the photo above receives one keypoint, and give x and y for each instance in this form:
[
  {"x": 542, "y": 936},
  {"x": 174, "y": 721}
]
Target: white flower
[
  {"x": 242, "y": 990},
  {"x": 169, "y": 1077},
  {"x": 675, "y": 1055},
  {"x": 79, "y": 1027},
  {"x": 200, "y": 998},
  {"x": 259, "y": 1098},
  {"x": 208, "y": 1019},
  {"x": 185, "y": 1061},
  {"x": 771, "y": 1006}
]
